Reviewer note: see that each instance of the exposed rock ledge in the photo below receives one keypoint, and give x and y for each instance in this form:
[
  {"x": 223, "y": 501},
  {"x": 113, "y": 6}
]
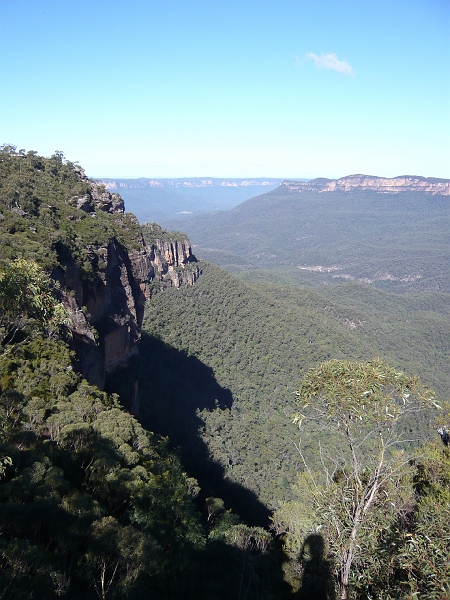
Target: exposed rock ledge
[
  {"x": 171, "y": 255},
  {"x": 108, "y": 307},
  {"x": 395, "y": 185},
  {"x": 98, "y": 198}
]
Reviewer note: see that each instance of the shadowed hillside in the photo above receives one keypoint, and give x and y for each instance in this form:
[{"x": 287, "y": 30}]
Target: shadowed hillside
[{"x": 256, "y": 342}]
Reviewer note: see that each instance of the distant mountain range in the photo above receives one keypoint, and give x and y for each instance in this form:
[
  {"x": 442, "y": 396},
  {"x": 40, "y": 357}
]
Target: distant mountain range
[
  {"x": 392, "y": 233},
  {"x": 404, "y": 183},
  {"x": 153, "y": 199},
  {"x": 195, "y": 182},
  {"x": 156, "y": 199}
]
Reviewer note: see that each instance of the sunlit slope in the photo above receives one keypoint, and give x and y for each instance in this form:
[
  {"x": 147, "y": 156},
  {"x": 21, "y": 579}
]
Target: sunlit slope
[
  {"x": 398, "y": 241},
  {"x": 256, "y": 342}
]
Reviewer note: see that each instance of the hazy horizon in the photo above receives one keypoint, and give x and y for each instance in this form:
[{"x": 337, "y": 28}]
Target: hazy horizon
[
  {"x": 291, "y": 89},
  {"x": 259, "y": 177}
]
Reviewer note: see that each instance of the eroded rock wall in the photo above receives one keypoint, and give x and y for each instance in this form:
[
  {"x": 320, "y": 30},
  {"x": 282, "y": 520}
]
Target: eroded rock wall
[
  {"x": 385, "y": 185},
  {"x": 171, "y": 255},
  {"x": 107, "y": 307}
]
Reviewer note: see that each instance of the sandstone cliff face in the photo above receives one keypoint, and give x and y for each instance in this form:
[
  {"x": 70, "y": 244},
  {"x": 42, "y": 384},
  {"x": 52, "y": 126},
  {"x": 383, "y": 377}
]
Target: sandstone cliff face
[
  {"x": 379, "y": 184},
  {"x": 107, "y": 312},
  {"x": 107, "y": 307},
  {"x": 171, "y": 255}
]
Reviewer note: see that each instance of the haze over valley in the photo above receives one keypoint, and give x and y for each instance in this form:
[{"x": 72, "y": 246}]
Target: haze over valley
[{"x": 160, "y": 199}]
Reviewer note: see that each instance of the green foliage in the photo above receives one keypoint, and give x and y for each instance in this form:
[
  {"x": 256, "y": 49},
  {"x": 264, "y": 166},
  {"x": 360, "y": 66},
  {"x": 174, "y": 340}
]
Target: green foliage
[
  {"x": 153, "y": 233},
  {"x": 411, "y": 559},
  {"x": 360, "y": 394},
  {"x": 39, "y": 219},
  {"x": 94, "y": 502},
  {"x": 94, "y": 505},
  {"x": 255, "y": 341},
  {"x": 428, "y": 542},
  {"x": 397, "y": 241},
  {"x": 364, "y": 489},
  {"x": 5, "y": 461},
  {"x": 27, "y": 301}
]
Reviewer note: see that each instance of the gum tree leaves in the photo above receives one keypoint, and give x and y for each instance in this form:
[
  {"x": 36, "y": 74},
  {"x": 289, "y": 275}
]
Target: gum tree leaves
[{"x": 27, "y": 301}]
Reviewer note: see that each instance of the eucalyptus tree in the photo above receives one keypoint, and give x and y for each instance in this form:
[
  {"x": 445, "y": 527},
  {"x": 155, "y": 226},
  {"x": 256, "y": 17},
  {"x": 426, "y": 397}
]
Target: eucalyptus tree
[
  {"x": 27, "y": 301},
  {"x": 362, "y": 415}
]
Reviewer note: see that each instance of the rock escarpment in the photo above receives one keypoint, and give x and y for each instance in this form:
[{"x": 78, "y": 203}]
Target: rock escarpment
[
  {"x": 194, "y": 182},
  {"x": 405, "y": 183},
  {"x": 107, "y": 306},
  {"x": 78, "y": 231},
  {"x": 106, "y": 309},
  {"x": 171, "y": 256},
  {"x": 98, "y": 197}
]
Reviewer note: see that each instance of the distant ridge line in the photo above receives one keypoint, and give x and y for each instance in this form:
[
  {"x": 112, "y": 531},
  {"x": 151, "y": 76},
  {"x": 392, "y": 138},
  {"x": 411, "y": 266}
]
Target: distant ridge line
[
  {"x": 187, "y": 182},
  {"x": 384, "y": 185}
]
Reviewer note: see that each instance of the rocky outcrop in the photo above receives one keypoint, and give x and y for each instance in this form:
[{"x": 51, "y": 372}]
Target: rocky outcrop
[
  {"x": 171, "y": 255},
  {"x": 105, "y": 201},
  {"x": 98, "y": 197},
  {"x": 107, "y": 306},
  {"x": 405, "y": 183}
]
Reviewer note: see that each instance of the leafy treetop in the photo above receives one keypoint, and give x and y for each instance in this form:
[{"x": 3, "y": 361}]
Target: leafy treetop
[
  {"x": 370, "y": 393},
  {"x": 27, "y": 300}
]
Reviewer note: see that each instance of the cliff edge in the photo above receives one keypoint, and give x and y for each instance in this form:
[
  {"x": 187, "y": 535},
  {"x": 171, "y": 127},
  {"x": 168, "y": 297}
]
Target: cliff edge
[
  {"x": 395, "y": 185},
  {"x": 107, "y": 308},
  {"x": 106, "y": 264}
]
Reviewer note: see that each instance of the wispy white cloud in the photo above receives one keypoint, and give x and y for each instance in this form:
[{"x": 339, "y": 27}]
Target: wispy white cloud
[{"x": 329, "y": 61}]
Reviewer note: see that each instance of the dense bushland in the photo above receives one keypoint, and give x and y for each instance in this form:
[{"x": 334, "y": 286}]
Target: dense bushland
[
  {"x": 91, "y": 504},
  {"x": 255, "y": 342},
  {"x": 39, "y": 219},
  {"x": 94, "y": 505},
  {"x": 399, "y": 242}
]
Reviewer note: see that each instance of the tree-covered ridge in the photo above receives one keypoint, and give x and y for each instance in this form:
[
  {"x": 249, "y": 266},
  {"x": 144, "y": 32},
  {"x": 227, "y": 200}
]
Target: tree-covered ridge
[
  {"x": 253, "y": 343},
  {"x": 48, "y": 210},
  {"x": 92, "y": 505},
  {"x": 397, "y": 242},
  {"x": 52, "y": 214}
]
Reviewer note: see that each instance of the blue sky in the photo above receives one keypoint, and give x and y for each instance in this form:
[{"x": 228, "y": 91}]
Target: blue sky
[{"x": 275, "y": 88}]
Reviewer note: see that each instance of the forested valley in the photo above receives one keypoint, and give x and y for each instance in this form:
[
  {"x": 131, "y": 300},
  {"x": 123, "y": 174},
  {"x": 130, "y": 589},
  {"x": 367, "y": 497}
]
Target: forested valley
[
  {"x": 281, "y": 442},
  {"x": 395, "y": 241}
]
